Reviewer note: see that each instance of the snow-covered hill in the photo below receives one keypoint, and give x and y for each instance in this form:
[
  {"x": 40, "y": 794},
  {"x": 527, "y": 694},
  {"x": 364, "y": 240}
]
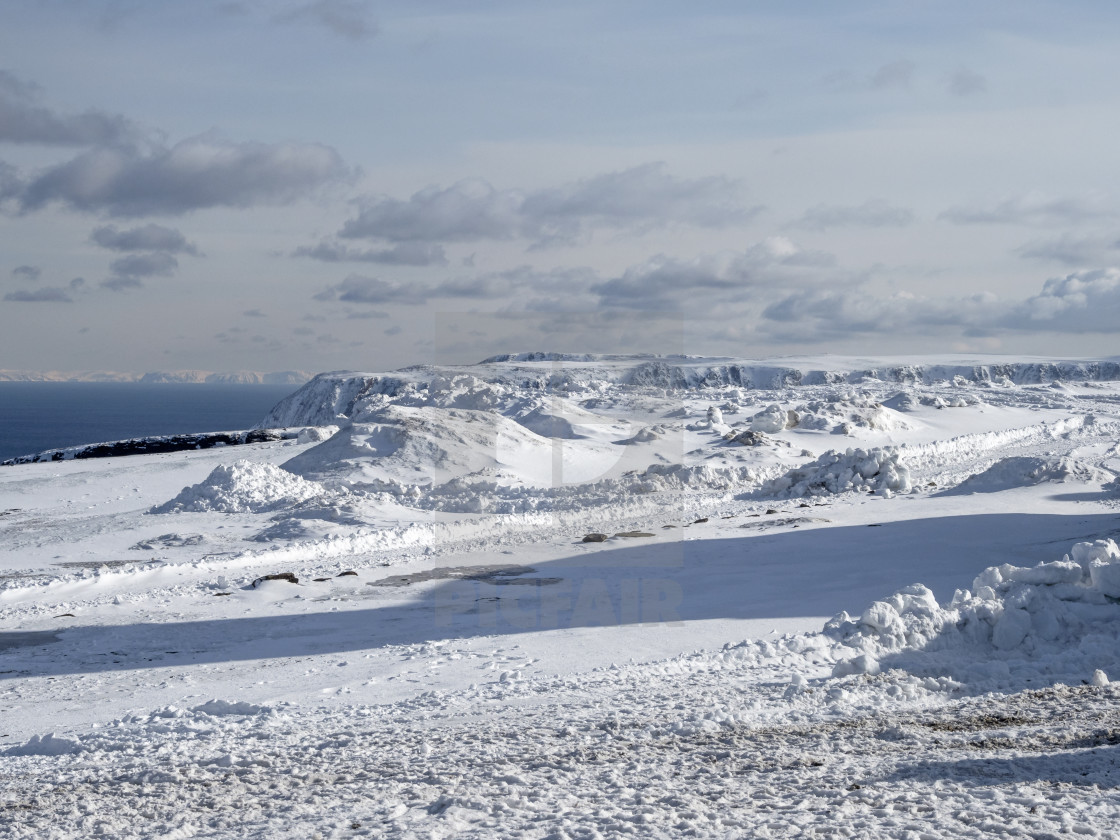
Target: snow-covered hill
[{"x": 579, "y": 596}]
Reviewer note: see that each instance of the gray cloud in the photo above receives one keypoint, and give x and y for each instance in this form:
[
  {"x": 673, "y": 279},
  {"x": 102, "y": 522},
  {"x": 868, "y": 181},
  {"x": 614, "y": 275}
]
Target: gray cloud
[
  {"x": 150, "y": 237},
  {"x": 26, "y": 273},
  {"x": 145, "y": 265},
  {"x": 838, "y": 81},
  {"x": 197, "y": 173},
  {"x": 644, "y": 197},
  {"x": 892, "y": 75},
  {"x": 254, "y": 313},
  {"x": 11, "y": 184},
  {"x": 1031, "y": 209},
  {"x": 14, "y": 87},
  {"x": 965, "y": 82},
  {"x": 129, "y": 272},
  {"x": 345, "y": 18},
  {"x": 404, "y": 253},
  {"x": 22, "y": 120},
  {"x": 122, "y": 283},
  {"x": 873, "y": 213},
  {"x": 359, "y": 289},
  {"x": 1072, "y": 250},
  {"x": 497, "y": 285},
  {"x": 713, "y": 280},
  {"x": 47, "y": 294}
]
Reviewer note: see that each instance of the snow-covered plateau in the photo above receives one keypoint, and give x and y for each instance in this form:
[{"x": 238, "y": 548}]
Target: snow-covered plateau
[{"x": 553, "y": 596}]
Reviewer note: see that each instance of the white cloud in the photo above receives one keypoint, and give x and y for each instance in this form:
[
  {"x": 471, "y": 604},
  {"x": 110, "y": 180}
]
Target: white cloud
[{"x": 1082, "y": 301}]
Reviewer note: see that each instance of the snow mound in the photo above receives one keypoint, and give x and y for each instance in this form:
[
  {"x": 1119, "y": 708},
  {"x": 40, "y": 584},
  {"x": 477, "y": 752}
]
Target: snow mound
[
  {"x": 878, "y": 470},
  {"x": 243, "y": 487},
  {"x": 1055, "y": 616},
  {"x": 315, "y": 434},
  {"x": 845, "y": 411},
  {"x": 49, "y": 744},
  {"x": 218, "y": 708},
  {"x": 548, "y": 423},
  {"x": 772, "y": 420},
  {"x": 410, "y": 446},
  {"x": 1027, "y": 471}
]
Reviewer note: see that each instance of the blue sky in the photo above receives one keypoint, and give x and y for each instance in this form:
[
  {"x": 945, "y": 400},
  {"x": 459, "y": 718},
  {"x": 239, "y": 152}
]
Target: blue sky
[{"x": 343, "y": 184}]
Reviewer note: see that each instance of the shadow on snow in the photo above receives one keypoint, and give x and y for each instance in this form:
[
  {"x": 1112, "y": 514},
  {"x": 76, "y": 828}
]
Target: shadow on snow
[{"x": 785, "y": 572}]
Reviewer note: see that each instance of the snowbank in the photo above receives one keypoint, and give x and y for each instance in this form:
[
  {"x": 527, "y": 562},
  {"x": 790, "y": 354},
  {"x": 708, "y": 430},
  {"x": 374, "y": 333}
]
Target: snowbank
[
  {"x": 1047, "y": 621},
  {"x": 243, "y": 487}
]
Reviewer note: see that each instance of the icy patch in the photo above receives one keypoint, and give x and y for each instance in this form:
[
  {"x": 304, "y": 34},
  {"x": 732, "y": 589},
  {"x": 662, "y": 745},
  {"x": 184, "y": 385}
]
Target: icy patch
[
  {"x": 243, "y": 487},
  {"x": 1025, "y": 471},
  {"x": 878, "y": 470}
]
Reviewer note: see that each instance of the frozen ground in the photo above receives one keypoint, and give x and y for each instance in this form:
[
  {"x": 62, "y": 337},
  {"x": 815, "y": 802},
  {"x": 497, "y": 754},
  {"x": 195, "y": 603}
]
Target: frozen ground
[{"x": 832, "y": 597}]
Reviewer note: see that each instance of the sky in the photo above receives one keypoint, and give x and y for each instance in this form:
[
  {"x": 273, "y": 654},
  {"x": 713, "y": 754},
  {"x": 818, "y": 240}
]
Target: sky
[{"x": 341, "y": 184}]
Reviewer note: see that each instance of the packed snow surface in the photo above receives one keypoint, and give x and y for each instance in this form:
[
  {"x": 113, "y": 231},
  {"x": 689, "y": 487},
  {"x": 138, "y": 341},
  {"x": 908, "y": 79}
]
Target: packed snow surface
[{"x": 581, "y": 596}]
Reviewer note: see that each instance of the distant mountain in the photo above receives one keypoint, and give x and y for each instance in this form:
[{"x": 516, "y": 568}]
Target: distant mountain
[{"x": 200, "y": 377}]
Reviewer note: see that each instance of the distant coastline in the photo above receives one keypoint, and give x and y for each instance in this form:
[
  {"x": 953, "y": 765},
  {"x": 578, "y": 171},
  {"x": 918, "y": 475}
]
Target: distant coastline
[
  {"x": 177, "y": 377},
  {"x": 37, "y": 417}
]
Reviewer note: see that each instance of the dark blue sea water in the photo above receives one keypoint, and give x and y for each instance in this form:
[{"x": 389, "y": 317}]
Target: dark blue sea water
[{"x": 36, "y": 416}]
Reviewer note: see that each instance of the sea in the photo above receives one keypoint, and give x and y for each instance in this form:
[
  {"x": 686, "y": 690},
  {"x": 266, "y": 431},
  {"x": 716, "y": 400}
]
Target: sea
[{"x": 37, "y": 416}]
